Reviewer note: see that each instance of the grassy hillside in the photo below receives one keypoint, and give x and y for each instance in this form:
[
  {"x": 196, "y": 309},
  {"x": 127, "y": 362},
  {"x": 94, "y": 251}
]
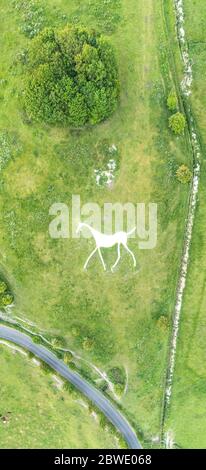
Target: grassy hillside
[
  {"x": 187, "y": 417},
  {"x": 36, "y": 413},
  {"x": 126, "y": 314}
]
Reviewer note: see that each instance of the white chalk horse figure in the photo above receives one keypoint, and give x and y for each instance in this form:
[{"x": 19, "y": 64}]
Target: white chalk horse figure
[{"x": 107, "y": 241}]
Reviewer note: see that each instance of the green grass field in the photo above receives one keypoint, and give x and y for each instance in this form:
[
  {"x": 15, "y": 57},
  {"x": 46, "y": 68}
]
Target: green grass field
[
  {"x": 187, "y": 416},
  {"x": 127, "y": 314},
  {"x": 35, "y": 413}
]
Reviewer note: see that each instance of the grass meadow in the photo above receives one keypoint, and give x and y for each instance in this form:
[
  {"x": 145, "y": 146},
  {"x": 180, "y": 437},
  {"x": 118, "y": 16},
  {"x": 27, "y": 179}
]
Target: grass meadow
[
  {"x": 35, "y": 413},
  {"x": 126, "y": 314},
  {"x": 187, "y": 416}
]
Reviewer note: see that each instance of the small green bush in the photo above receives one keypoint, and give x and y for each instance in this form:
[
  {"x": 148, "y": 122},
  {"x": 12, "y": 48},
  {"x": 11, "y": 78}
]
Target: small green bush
[
  {"x": 72, "y": 77},
  {"x": 72, "y": 365},
  {"x": 3, "y": 287},
  {"x": 6, "y": 298},
  {"x": 117, "y": 375},
  {"x": 58, "y": 342},
  {"x": 119, "y": 389},
  {"x": 68, "y": 356},
  {"x": 163, "y": 323},
  {"x": 36, "y": 339},
  {"x": 184, "y": 175},
  {"x": 172, "y": 102},
  {"x": 88, "y": 344},
  {"x": 177, "y": 123}
]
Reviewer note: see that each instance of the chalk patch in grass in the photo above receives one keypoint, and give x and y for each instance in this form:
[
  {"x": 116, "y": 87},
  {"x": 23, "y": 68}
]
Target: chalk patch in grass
[{"x": 105, "y": 176}]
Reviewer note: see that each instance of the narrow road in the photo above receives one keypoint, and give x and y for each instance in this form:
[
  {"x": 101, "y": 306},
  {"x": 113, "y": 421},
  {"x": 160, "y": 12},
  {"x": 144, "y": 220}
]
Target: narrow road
[{"x": 81, "y": 384}]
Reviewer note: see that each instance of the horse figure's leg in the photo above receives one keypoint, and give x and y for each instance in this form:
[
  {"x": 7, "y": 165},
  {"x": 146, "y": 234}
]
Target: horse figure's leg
[
  {"x": 118, "y": 258},
  {"x": 129, "y": 251},
  {"x": 90, "y": 256},
  {"x": 100, "y": 255}
]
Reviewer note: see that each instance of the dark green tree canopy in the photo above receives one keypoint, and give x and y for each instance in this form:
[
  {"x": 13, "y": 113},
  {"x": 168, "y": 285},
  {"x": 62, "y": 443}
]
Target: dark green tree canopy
[{"x": 72, "y": 77}]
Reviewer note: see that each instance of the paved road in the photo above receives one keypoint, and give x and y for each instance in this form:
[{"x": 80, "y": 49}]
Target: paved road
[{"x": 81, "y": 384}]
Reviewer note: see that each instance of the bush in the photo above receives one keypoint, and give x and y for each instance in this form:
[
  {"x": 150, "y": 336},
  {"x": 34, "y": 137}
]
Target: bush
[
  {"x": 117, "y": 375},
  {"x": 172, "y": 102},
  {"x": 72, "y": 77},
  {"x": 68, "y": 357},
  {"x": 177, "y": 123},
  {"x": 6, "y": 299},
  {"x": 3, "y": 287},
  {"x": 119, "y": 389},
  {"x": 88, "y": 344},
  {"x": 72, "y": 365},
  {"x": 163, "y": 323},
  {"x": 58, "y": 342},
  {"x": 36, "y": 339},
  {"x": 184, "y": 175}
]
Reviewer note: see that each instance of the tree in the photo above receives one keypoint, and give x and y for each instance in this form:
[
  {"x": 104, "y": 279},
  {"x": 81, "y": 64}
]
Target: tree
[
  {"x": 88, "y": 344},
  {"x": 177, "y": 123},
  {"x": 72, "y": 77},
  {"x": 6, "y": 300},
  {"x": 3, "y": 287},
  {"x": 172, "y": 102},
  {"x": 117, "y": 375},
  {"x": 184, "y": 175},
  {"x": 58, "y": 342},
  {"x": 68, "y": 357}
]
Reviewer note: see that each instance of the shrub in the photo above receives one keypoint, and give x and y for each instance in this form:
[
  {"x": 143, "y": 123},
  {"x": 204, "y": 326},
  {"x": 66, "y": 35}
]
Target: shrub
[
  {"x": 68, "y": 356},
  {"x": 172, "y": 102},
  {"x": 117, "y": 375},
  {"x": 72, "y": 77},
  {"x": 58, "y": 342},
  {"x": 119, "y": 389},
  {"x": 177, "y": 123},
  {"x": 3, "y": 287},
  {"x": 72, "y": 365},
  {"x": 36, "y": 339},
  {"x": 88, "y": 344},
  {"x": 163, "y": 323},
  {"x": 6, "y": 300},
  {"x": 184, "y": 175}
]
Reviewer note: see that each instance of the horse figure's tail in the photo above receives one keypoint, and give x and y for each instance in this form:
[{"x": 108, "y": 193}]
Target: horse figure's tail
[{"x": 131, "y": 231}]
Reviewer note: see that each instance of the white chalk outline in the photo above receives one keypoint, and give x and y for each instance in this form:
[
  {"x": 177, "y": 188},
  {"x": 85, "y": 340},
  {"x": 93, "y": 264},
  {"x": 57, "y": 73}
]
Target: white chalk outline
[{"x": 107, "y": 241}]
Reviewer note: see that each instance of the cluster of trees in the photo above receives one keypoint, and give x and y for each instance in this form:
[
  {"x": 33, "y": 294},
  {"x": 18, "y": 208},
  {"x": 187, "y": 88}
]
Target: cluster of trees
[
  {"x": 177, "y": 121},
  {"x": 6, "y": 298},
  {"x": 72, "y": 77}
]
